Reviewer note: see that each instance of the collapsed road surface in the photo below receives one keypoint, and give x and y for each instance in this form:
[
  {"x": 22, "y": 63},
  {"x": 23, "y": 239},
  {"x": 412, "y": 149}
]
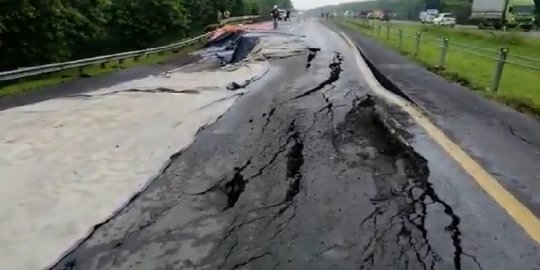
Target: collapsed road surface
[{"x": 307, "y": 170}]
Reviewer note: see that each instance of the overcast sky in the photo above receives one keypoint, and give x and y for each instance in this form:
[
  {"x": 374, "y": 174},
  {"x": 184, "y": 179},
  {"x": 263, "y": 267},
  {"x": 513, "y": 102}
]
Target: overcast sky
[{"x": 307, "y": 4}]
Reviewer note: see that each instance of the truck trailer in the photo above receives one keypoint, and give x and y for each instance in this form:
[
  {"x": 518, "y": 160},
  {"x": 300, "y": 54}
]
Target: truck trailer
[{"x": 502, "y": 14}]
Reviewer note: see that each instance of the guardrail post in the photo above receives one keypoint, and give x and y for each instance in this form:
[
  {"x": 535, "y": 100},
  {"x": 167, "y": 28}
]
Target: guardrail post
[
  {"x": 81, "y": 71},
  {"x": 103, "y": 65},
  {"x": 136, "y": 58},
  {"x": 387, "y": 31},
  {"x": 444, "y": 50},
  {"x": 379, "y": 30},
  {"x": 503, "y": 54},
  {"x": 417, "y": 47},
  {"x": 400, "y": 39},
  {"x": 120, "y": 61}
]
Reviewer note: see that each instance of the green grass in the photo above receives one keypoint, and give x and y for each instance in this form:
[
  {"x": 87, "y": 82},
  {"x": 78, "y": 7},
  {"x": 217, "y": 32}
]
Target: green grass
[
  {"x": 42, "y": 81},
  {"x": 471, "y": 59}
]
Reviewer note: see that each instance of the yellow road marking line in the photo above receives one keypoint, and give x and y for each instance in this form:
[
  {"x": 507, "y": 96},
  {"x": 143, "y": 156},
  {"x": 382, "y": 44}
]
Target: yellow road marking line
[{"x": 519, "y": 212}]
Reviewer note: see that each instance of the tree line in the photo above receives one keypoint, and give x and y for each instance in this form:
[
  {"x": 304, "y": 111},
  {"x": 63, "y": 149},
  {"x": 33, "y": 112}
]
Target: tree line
[{"x": 36, "y": 32}]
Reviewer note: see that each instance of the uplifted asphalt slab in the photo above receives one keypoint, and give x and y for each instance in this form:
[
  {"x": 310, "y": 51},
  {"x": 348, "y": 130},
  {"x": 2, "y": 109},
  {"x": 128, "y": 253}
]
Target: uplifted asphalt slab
[
  {"x": 69, "y": 163},
  {"x": 305, "y": 172}
]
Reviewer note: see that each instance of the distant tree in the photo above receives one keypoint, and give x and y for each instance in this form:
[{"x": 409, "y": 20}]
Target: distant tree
[
  {"x": 238, "y": 8},
  {"x": 35, "y": 31},
  {"x": 143, "y": 22},
  {"x": 44, "y": 31},
  {"x": 201, "y": 13}
]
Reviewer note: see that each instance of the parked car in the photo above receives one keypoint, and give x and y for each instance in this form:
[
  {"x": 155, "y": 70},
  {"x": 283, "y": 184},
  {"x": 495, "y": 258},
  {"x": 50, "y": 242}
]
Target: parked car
[{"x": 446, "y": 19}]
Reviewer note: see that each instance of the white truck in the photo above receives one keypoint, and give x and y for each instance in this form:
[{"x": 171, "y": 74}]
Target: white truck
[
  {"x": 503, "y": 13},
  {"x": 429, "y": 15}
]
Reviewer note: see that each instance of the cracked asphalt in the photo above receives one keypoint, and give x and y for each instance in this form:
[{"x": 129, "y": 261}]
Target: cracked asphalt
[{"x": 305, "y": 172}]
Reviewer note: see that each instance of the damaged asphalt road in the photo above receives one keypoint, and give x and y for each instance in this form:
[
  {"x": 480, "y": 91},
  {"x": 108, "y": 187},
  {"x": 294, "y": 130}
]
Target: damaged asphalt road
[{"x": 302, "y": 173}]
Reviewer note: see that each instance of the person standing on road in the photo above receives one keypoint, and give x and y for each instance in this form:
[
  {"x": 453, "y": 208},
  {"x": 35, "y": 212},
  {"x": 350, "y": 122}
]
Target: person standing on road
[{"x": 275, "y": 15}]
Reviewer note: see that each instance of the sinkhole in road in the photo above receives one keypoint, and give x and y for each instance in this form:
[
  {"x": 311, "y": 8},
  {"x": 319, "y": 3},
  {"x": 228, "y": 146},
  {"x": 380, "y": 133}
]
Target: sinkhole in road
[
  {"x": 311, "y": 56},
  {"x": 230, "y": 48},
  {"x": 243, "y": 48}
]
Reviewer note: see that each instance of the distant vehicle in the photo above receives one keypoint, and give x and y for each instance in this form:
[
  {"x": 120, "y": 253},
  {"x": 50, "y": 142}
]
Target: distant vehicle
[
  {"x": 503, "y": 14},
  {"x": 446, "y": 19},
  {"x": 363, "y": 14},
  {"x": 385, "y": 16},
  {"x": 370, "y": 16},
  {"x": 377, "y": 14},
  {"x": 348, "y": 13},
  {"x": 423, "y": 17},
  {"x": 433, "y": 12},
  {"x": 282, "y": 14},
  {"x": 428, "y": 17}
]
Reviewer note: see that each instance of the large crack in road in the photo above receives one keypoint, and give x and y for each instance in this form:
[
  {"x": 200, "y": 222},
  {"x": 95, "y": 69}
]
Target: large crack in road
[{"x": 307, "y": 188}]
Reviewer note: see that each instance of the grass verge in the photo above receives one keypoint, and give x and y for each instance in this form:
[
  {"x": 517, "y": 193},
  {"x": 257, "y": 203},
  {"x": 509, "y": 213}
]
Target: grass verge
[
  {"x": 42, "y": 81},
  {"x": 471, "y": 59}
]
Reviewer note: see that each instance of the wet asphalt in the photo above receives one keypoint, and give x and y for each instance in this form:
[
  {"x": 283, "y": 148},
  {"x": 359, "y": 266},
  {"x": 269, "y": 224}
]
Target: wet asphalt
[{"x": 306, "y": 171}]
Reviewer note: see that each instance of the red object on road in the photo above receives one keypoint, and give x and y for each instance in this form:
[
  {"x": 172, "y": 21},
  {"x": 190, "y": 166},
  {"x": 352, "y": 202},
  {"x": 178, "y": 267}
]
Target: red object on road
[
  {"x": 238, "y": 29},
  {"x": 226, "y": 30}
]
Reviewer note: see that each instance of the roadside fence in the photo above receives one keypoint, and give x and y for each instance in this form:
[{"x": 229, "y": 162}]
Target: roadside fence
[{"x": 437, "y": 52}]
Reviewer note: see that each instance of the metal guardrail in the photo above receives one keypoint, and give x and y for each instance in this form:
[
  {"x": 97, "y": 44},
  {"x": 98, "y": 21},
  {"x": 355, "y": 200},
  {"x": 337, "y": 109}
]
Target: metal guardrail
[
  {"x": 49, "y": 68},
  {"x": 237, "y": 19},
  {"x": 499, "y": 56}
]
